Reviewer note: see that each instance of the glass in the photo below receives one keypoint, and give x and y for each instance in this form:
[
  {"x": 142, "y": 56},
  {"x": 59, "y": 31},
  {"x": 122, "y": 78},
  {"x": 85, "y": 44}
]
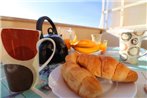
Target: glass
[
  {"x": 103, "y": 46},
  {"x": 96, "y": 38},
  {"x": 73, "y": 36},
  {"x": 62, "y": 31},
  {"x": 69, "y": 36}
]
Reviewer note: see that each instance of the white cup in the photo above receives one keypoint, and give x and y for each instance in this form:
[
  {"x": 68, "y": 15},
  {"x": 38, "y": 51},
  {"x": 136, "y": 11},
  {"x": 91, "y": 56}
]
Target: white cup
[
  {"x": 20, "y": 57},
  {"x": 130, "y": 44}
]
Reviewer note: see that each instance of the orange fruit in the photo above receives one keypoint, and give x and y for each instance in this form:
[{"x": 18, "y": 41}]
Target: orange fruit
[{"x": 85, "y": 43}]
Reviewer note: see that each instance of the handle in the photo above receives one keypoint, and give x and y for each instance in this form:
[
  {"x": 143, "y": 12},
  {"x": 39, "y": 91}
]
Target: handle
[
  {"x": 39, "y": 25},
  {"x": 54, "y": 49},
  {"x": 145, "y": 51}
]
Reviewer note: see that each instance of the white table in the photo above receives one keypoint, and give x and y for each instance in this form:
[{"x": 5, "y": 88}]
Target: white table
[{"x": 140, "y": 83}]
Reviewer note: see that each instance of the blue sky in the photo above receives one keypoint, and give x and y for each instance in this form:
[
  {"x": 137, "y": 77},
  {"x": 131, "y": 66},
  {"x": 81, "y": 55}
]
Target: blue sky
[{"x": 78, "y": 12}]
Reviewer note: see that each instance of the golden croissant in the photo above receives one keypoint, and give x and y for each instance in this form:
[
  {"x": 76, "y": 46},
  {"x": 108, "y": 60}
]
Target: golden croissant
[
  {"x": 107, "y": 67},
  {"x": 81, "y": 81}
]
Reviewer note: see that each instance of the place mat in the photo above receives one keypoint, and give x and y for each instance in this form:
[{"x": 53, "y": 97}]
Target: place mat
[{"x": 42, "y": 85}]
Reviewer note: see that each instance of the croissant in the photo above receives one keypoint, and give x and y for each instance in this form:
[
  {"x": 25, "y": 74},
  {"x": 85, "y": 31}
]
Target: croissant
[
  {"x": 107, "y": 67},
  {"x": 72, "y": 57},
  {"x": 80, "y": 80}
]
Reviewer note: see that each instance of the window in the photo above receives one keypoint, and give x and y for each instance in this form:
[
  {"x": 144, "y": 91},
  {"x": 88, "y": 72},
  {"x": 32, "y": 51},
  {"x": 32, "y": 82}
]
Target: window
[
  {"x": 78, "y": 12},
  {"x": 126, "y": 14}
]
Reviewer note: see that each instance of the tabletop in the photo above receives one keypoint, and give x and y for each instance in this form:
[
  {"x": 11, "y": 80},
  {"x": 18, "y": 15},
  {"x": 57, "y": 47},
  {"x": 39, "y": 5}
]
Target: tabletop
[{"x": 42, "y": 90}]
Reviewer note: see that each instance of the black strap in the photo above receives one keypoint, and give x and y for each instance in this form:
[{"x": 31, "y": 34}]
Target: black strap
[{"x": 39, "y": 25}]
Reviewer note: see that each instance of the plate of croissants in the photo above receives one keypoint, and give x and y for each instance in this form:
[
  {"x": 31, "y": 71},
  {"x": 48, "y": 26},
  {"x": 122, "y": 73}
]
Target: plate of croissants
[{"x": 93, "y": 76}]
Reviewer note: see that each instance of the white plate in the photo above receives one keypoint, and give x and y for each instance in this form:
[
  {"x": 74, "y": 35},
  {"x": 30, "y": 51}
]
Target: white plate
[{"x": 111, "y": 90}]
